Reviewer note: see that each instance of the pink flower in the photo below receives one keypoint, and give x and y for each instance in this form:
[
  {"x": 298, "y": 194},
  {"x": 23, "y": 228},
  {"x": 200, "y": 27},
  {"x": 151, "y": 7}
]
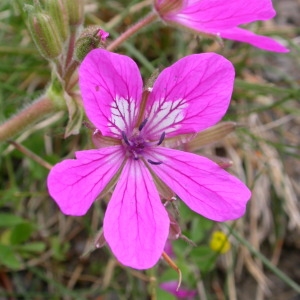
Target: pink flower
[
  {"x": 221, "y": 18},
  {"x": 187, "y": 97},
  {"x": 103, "y": 35},
  {"x": 182, "y": 293}
]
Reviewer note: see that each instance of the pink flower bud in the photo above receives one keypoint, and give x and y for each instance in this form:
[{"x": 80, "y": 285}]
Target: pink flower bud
[{"x": 91, "y": 38}]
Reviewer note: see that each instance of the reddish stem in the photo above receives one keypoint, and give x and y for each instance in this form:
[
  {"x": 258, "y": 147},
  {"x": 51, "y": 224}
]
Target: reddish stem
[
  {"x": 36, "y": 111},
  {"x": 132, "y": 30},
  {"x": 71, "y": 47}
]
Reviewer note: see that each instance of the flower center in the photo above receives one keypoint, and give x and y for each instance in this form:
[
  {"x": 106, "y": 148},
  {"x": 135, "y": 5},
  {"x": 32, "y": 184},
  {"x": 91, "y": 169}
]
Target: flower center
[{"x": 136, "y": 145}]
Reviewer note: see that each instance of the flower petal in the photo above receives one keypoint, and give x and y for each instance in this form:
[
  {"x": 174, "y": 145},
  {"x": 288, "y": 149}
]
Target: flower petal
[
  {"x": 259, "y": 41},
  {"x": 191, "y": 95},
  {"x": 221, "y": 18},
  {"x": 136, "y": 224},
  {"x": 74, "y": 184},
  {"x": 220, "y": 14},
  {"x": 111, "y": 88},
  {"x": 182, "y": 293},
  {"x": 201, "y": 184}
]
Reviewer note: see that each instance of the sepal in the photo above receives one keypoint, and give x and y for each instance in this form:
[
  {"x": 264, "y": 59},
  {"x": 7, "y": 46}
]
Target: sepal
[{"x": 45, "y": 34}]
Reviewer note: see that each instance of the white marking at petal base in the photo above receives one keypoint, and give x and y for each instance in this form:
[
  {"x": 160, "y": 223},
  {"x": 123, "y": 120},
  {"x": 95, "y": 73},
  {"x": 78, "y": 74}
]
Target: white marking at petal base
[
  {"x": 166, "y": 115},
  {"x": 122, "y": 115},
  {"x": 114, "y": 158}
]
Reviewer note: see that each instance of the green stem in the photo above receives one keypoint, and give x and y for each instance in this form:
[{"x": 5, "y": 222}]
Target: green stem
[
  {"x": 29, "y": 115},
  {"x": 265, "y": 261},
  {"x": 132, "y": 30},
  {"x": 152, "y": 286}
]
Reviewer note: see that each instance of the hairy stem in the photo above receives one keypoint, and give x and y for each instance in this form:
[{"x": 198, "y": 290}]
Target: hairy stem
[
  {"x": 29, "y": 115},
  {"x": 132, "y": 30}
]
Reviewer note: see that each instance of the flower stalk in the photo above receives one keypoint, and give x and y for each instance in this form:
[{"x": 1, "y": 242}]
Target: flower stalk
[
  {"x": 31, "y": 114},
  {"x": 31, "y": 155},
  {"x": 132, "y": 30}
]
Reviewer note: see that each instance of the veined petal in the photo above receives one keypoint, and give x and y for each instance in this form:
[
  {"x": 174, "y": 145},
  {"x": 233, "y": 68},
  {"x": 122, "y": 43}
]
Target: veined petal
[
  {"x": 136, "y": 224},
  {"x": 220, "y": 14},
  {"x": 191, "y": 95},
  {"x": 201, "y": 184},
  {"x": 220, "y": 17},
  {"x": 74, "y": 184},
  {"x": 111, "y": 88},
  {"x": 259, "y": 41}
]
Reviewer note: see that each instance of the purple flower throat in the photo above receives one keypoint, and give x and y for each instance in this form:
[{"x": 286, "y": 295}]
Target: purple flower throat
[{"x": 137, "y": 144}]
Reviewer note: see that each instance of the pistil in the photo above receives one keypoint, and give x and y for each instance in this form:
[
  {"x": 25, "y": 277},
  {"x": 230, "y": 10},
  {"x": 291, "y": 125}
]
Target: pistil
[{"x": 136, "y": 144}]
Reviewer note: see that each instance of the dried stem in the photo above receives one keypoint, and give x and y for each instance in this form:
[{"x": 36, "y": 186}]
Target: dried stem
[
  {"x": 172, "y": 264},
  {"x": 31, "y": 155},
  {"x": 295, "y": 286}
]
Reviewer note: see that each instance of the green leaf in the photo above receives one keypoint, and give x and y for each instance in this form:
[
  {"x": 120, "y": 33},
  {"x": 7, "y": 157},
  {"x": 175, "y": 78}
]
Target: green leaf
[
  {"x": 9, "y": 220},
  {"x": 36, "y": 170},
  {"x": 161, "y": 294},
  {"x": 8, "y": 257},
  {"x": 21, "y": 233},
  {"x": 7, "y": 196},
  {"x": 59, "y": 248},
  {"x": 168, "y": 275},
  {"x": 204, "y": 257},
  {"x": 199, "y": 228},
  {"x": 36, "y": 247}
]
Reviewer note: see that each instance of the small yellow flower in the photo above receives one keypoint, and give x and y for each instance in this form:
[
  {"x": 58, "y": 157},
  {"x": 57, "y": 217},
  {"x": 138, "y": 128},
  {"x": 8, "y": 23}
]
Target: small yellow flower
[{"x": 219, "y": 242}]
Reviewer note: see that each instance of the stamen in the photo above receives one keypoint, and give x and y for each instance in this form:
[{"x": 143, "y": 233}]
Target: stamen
[
  {"x": 143, "y": 124},
  {"x": 154, "y": 162},
  {"x": 96, "y": 131},
  {"x": 135, "y": 155},
  {"x": 162, "y": 137},
  {"x": 125, "y": 138}
]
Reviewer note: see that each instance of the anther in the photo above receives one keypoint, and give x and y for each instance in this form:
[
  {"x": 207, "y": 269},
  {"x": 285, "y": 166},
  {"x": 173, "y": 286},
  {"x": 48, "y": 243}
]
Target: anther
[
  {"x": 154, "y": 162},
  {"x": 143, "y": 124},
  {"x": 135, "y": 156},
  {"x": 96, "y": 131},
  {"x": 125, "y": 138},
  {"x": 162, "y": 137}
]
